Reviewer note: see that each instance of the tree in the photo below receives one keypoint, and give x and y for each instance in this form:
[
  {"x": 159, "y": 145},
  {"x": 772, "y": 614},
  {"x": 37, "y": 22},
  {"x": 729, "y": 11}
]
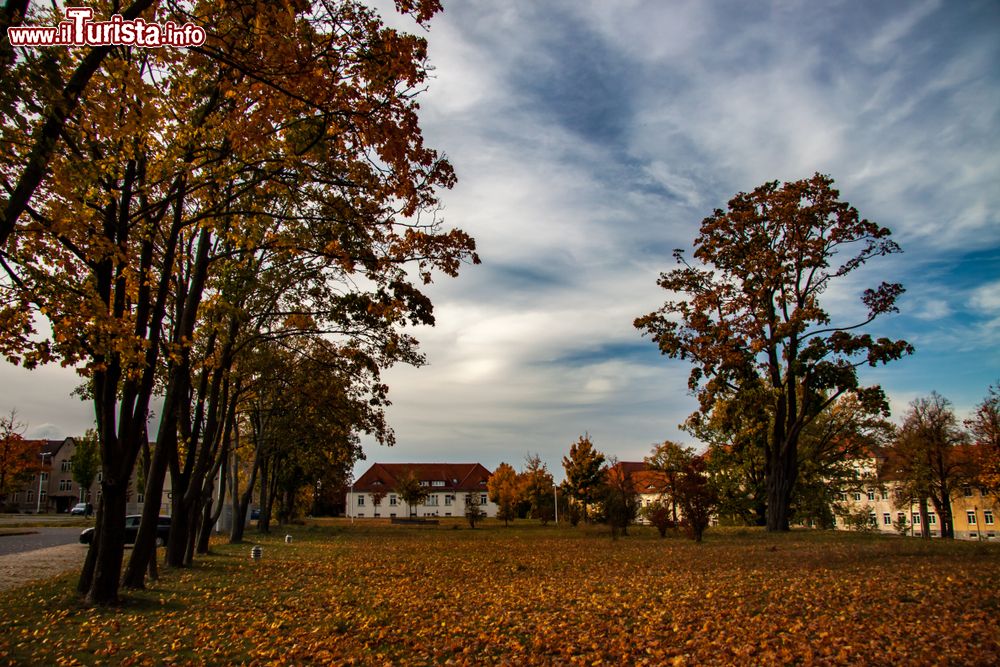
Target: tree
[
  {"x": 503, "y": 490},
  {"x": 122, "y": 206},
  {"x": 661, "y": 515},
  {"x": 736, "y": 430},
  {"x": 86, "y": 462},
  {"x": 619, "y": 498},
  {"x": 670, "y": 459},
  {"x": 473, "y": 511},
  {"x": 410, "y": 490},
  {"x": 18, "y": 457},
  {"x": 752, "y": 316},
  {"x": 583, "y": 473},
  {"x": 537, "y": 488},
  {"x": 984, "y": 429},
  {"x": 927, "y": 458},
  {"x": 696, "y": 496},
  {"x": 839, "y": 436}
]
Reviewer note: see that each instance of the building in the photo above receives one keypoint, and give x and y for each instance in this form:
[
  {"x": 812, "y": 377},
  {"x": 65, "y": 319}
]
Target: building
[
  {"x": 53, "y": 489},
  {"x": 375, "y": 494},
  {"x": 872, "y": 504}
]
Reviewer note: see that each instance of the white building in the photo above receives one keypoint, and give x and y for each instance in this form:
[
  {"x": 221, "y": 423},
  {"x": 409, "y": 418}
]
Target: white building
[{"x": 374, "y": 494}]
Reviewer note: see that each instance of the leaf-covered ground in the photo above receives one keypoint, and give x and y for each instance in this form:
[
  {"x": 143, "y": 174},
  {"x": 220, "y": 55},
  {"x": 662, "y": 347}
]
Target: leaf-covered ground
[{"x": 527, "y": 595}]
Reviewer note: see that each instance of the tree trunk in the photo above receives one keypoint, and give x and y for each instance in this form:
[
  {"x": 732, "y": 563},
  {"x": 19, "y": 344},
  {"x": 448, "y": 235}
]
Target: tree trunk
[
  {"x": 925, "y": 528},
  {"x": 144, "y": 550},
  {"x": 780, "y": 482},
  {"x": 109, "y": 542}
]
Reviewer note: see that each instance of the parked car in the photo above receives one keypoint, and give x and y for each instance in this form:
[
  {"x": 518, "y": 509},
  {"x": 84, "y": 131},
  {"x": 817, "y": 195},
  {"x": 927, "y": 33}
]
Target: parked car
[
  {"x": 132, "y": 529},
  {"x": 80, "y": 509}
]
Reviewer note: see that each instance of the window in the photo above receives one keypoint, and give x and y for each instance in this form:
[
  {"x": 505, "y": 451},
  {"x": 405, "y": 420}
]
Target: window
[
  {"x": 432, "y": 500},
  {"x": 449, "y": 499},
  {"x": 857, "y": 495},
  {"x": 843, "y": 496},
  {"x": 424, "y": 483},
  {"x": 45, "y": 476},
  {"x": 392, "y": 501},
  {"x": 30, "y": 496},
  {"x": 967, "y": 490},
  {"x": 482, "y": 498},
  {"x": 916, "y": 519},
  {"x": 988, "y": 517},
  {"x": 886, "y": 519},
  {"x": 885, "y": 495},
  {"x": 66, "y": 466},
  {"x": 437, "y": 482},
  {"x": 971, "y": 517},
  {"x": 872, "y": 519},
  {"x": 140, "y": 498},
  {"x": 900, "y": 517},
  {"x": 871, "y": 494},
  {"x": 932, "y": 518},
  {"x": 361, "y": 501}
]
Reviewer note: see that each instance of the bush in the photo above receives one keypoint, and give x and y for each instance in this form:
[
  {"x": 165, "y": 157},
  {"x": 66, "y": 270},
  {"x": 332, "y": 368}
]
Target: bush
[{"x": 659, "y": 515}]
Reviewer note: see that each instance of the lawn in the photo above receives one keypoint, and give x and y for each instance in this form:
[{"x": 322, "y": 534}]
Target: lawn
[{"x": 378, "y": 594}]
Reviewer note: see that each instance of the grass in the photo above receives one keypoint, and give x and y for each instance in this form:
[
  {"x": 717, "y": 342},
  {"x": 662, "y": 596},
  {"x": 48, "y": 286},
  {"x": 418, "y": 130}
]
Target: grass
[{"x": 379, "y": 594}]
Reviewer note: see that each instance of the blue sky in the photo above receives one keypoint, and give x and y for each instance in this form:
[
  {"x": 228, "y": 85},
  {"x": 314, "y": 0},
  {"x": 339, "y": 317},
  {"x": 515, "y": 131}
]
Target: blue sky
[{"x": 591, "y": 138}]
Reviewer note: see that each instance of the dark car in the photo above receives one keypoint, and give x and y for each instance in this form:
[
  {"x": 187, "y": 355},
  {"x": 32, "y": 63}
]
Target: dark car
[{"x": 132, "y": 529}]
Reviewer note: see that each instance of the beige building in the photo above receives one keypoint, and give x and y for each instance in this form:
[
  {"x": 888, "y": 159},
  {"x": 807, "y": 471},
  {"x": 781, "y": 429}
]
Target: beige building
[
  {"x": 53, "y": 489},
  {"x": 974, "y": 514}
]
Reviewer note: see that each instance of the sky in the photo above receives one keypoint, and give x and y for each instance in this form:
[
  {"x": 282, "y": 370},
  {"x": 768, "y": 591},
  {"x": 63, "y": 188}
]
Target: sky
[{"x": 590, "y": 138}]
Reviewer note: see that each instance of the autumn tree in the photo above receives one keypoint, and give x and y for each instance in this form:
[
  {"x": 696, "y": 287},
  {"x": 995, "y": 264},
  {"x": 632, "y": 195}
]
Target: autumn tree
[
  {"x": 503, "y": 490},
  {"x": 619, "y": 498},
  {"x": 669, "y": 459},
  {"x": 984, "y": 430},
  {"x": 121, "y": 205},
  {"x": 18, "y": 457},
  {"x": 696, "y": 496},
  {"x": 928, "y": 459},
  {"x": 473, "y": 510},
  {"x": 537, "y": 488},
  {"x": 86, "y": 463},
  {"x": 735, "y": 431},
  {"x": 410, "y": 490},
  {"x": 584, "y": 474},
  {"x": 829, "y": 447},
  {"x": 661, "y": 515},
  {"x": 749, "y": 313}
]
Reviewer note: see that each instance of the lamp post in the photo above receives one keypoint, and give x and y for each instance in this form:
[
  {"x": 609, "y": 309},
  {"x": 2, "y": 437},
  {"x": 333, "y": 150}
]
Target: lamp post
[{"x": 41, "y": 476}]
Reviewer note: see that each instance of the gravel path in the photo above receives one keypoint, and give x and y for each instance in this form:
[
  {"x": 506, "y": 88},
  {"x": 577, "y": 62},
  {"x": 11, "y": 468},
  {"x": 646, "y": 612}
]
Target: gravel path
[{"x": 19, "y": 569}]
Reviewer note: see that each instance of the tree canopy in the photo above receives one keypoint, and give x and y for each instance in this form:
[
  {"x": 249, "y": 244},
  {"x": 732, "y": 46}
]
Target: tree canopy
[{"x": 748, "y": 314}]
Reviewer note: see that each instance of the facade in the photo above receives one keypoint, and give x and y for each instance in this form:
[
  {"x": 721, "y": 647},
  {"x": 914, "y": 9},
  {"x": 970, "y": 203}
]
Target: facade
[
  {"x": 374, "y": 494},
  {"x": 53, "y": 488},
  {"x": 975, "y": 515}
]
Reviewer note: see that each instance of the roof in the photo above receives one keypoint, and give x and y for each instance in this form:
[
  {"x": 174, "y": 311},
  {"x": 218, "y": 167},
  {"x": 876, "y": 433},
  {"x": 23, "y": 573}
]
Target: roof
[
  {"x": 47, "y": 448},
  {"x": 385, "y": 477},
  {"x": 644, "y": 480}
]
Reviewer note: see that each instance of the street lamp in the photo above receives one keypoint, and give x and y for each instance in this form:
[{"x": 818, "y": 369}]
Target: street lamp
[{"x": 41, "y": 475}]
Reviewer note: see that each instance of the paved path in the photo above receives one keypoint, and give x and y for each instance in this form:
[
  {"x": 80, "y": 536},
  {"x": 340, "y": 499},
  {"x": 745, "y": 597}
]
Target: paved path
[{"x": 20, "y": 568}]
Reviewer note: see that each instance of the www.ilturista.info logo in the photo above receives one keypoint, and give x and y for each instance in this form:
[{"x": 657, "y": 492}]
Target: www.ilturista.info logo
[{"x": 80, "y": 30}]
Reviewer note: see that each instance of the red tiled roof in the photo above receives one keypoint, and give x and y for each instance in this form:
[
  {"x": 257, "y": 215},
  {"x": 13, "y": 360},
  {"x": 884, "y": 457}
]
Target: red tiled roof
[
  {"x": 644, "y": 480},
  {"x": 439, "y": 476}
]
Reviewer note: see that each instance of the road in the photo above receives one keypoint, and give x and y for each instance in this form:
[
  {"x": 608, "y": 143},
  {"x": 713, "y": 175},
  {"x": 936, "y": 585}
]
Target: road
[{"x": 41, "y": 538}]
